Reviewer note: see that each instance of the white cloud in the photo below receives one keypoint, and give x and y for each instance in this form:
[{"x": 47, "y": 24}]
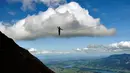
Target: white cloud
[
  {"x": 99, "y": 50},
  {"x": 53, "y": 3},
  {"x": 31, "y": 4},
  {"x": 118, "y": 45},
  {"x": 74, "y": 20},
  {"x": 26, "y": 4},
  {"x": 32, "y": 50},
  {"x": 123, "y": 46},
  {"x": 35, "y": 51},
  {"x": 11, "y": 13},
  {"x": 78, "y": 49}
]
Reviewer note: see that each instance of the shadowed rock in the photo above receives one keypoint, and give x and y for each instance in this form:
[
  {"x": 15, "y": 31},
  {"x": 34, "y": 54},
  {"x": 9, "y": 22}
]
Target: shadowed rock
[{"x": 15, "y": 59}]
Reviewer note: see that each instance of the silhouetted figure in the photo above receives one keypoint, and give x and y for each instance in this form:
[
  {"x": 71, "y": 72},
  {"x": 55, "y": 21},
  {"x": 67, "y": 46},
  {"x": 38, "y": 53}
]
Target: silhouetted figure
[
  {"x": 15, "y": 59},
  {"x": 59, "y": 29}
]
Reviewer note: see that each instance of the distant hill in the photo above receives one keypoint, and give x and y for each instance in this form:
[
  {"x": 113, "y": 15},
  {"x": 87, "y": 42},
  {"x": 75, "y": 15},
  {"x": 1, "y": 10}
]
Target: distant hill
[{"x": 120, "y": 61}]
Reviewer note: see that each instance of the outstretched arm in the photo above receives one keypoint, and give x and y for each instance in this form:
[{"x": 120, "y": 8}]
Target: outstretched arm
[{"x": 61, "y": 29}]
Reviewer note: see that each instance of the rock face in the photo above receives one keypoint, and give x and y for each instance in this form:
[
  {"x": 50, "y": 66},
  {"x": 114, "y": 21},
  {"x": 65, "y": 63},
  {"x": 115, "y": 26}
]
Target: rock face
[{"x": 15, "y": 59}]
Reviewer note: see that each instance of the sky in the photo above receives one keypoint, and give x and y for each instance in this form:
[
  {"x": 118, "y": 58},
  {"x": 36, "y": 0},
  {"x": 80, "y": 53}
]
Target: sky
[{"x": 112, "y": 16}]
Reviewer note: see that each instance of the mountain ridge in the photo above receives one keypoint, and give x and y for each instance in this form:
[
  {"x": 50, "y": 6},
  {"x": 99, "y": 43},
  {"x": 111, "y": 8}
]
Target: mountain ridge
[
  {"x": 117, "y": 61},
  {"x": 15, "y": 59}
]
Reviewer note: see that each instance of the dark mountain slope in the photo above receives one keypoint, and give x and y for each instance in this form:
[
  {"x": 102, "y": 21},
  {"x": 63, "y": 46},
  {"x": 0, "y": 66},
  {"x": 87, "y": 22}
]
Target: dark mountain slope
[
  {"x": 15, "y": 59},
  {"x": 121, "y": 60}
]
